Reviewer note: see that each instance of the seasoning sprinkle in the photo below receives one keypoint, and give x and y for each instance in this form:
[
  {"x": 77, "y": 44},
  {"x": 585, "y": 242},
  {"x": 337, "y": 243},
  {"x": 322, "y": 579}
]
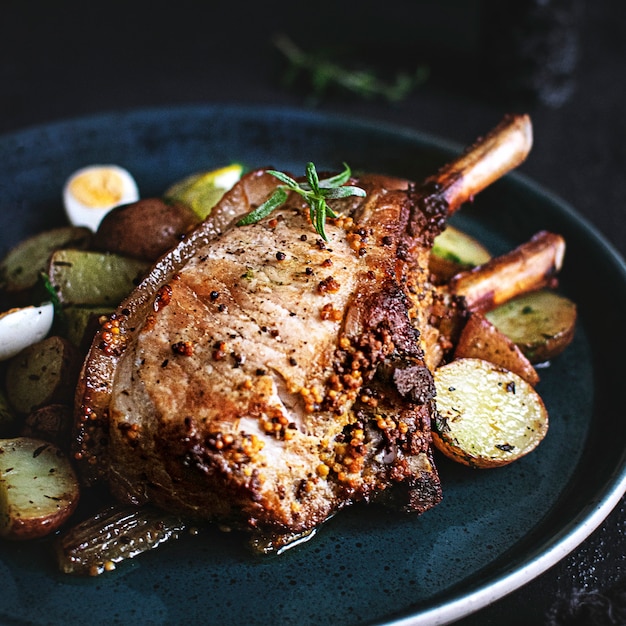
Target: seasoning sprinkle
[{"x": 184, "y": 348}]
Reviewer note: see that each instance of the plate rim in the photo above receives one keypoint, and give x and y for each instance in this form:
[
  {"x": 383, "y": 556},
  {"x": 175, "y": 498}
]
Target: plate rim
[{"x": 578, "y": 529}]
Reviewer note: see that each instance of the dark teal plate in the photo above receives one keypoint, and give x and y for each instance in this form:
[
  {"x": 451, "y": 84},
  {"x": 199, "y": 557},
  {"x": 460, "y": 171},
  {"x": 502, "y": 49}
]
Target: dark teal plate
[{"x": 494, "y": 531}]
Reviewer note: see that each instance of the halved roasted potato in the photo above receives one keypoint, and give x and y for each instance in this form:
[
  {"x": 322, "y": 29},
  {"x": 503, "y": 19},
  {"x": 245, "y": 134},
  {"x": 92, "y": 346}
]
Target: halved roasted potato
[
  {"x": 541, "y": 323},
  {"x": 20, "y": 268},
  {"x": 44, "y": 373},
  {"x": 480, "y": 339},
  {"x": 144, "y": 229},
  {"x": 455, "y": 251},
  {"x": 39, "y": 489},
  {"x": 89, "y": 278},
  {"x": 486, "y": 416}
]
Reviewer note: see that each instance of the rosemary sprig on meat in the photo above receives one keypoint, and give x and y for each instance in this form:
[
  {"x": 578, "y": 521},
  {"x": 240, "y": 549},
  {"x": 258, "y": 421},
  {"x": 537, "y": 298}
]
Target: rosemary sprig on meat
[{"x": 315, "y": 192}]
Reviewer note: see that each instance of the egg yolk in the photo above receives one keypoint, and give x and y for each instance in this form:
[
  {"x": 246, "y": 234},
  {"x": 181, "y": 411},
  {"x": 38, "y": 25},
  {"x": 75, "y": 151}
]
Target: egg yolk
[{"x": 97, "y": 188}]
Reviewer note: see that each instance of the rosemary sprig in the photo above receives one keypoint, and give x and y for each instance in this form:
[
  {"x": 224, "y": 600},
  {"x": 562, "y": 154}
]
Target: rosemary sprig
[{"x": 315, "y": 192}]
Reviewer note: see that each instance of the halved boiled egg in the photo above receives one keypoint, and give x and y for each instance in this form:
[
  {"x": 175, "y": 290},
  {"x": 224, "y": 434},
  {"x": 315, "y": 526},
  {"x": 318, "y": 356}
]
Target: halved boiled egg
[
  {"x": 20, "y": 328},
  {"x": 92, "y": 191}
]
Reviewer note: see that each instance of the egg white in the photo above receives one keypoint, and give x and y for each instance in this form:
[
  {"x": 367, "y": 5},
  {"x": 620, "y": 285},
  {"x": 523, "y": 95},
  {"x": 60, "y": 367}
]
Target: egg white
[{"x": 20, "y": 328}]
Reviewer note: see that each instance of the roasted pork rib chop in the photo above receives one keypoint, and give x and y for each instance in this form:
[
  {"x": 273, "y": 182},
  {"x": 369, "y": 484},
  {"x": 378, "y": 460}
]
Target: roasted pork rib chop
[{"x": 262, "y": 377}]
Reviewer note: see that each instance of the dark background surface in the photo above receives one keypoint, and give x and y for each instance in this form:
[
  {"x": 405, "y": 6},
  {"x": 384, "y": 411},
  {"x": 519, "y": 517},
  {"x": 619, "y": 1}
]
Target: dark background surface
[{"x": 562, "y": 61}]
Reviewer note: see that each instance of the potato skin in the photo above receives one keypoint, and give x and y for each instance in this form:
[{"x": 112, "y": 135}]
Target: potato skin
[
  {"x": 52, "y": 423},
  {"x": 44, "y": 373},
  {"x": 482, "y": 340},
  {"x": 39, "y": 489},
  {"x": 22, "y": 265},
  {"x": 145, "y": 229}
]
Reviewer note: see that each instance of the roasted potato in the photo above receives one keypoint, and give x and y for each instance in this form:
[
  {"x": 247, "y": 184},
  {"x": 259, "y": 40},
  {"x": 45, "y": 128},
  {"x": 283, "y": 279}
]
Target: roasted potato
[
  {"x": 480, "y": 339},
  {"x": 44, "y": 373},
  {"x": 91, "y": 278},
  {"x": 52, "y": 423},
  {"x": 145, "y": 229},
  {"x": 38, "y": 488},
  {"x": 81, "y": 324},
  {"x": 22, "y": 265},
  {"x": 455, "y": 251},
  {"x": 486, "y": 416},
  {"x": 8, "y": 418},
  {"x": 541, "y": 323}
]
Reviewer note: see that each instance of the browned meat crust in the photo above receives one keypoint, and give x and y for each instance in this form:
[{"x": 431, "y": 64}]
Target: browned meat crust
[
  {"x": 272, "y": 378},
  {"x": 262, "y": 377}
]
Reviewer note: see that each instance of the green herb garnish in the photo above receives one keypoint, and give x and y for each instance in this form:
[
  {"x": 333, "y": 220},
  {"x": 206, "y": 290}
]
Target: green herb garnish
[
  {"x": 60, "y": 316},
  {"x": 51, "y": 292},
  {"x": 315, "y": 192},
  {"x": 325, "y": 73}
]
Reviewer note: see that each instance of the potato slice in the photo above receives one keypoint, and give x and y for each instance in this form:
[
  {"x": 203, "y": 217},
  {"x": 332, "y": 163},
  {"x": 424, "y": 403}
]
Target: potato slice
[
  {"x": 486, "y": 416},
  {"x": 480, "y": 339},
  {"x": 44, "y": 373},
  {"x": 455, "y": 251},
  {"x": 541, "y": 323},
  {"x": 20, "y": 268},
  {"x": 38, "y": 488},
  {"x": 93, "y": 278}
]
